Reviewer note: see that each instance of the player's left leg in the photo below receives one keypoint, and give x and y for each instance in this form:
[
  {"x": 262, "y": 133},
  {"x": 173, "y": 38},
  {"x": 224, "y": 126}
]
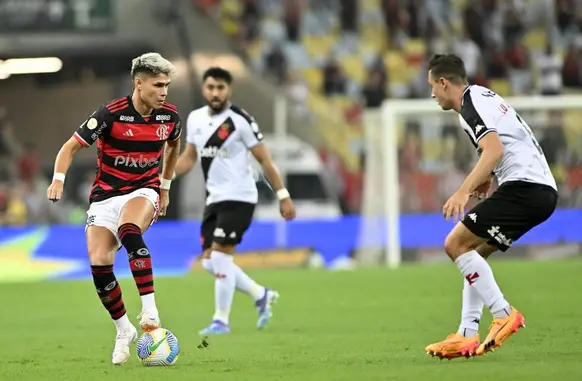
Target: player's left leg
[{"x": 135, "y": 217}]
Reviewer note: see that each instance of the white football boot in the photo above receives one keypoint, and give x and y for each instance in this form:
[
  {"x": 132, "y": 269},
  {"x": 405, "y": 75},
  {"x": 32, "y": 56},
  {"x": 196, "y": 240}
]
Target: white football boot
[{"x": 122, "y": 342}]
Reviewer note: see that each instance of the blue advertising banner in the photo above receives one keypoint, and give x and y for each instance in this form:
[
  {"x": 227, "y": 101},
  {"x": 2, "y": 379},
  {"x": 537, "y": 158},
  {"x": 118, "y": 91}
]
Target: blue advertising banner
[{"x": 59, "y": 252}]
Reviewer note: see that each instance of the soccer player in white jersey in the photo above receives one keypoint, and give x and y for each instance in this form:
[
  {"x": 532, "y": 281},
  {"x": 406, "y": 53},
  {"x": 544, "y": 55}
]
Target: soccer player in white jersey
[
  {"x": 222, "y": 135},
  {"x": 526, "y": 197}
]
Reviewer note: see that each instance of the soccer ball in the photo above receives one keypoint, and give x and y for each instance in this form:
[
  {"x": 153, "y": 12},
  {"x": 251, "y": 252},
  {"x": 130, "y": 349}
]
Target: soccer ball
[{"x": 158, "y": 348}]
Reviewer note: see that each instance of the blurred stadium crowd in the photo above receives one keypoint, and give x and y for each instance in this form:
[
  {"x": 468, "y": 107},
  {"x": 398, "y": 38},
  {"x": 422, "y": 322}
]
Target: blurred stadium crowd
[{"x": 351, "y": 55}]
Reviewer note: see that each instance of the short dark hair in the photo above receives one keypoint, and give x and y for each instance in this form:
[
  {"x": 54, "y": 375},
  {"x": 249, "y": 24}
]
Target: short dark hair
[
  {"x": 449, "y": 66},
  {"x": 218, "y": 73}
]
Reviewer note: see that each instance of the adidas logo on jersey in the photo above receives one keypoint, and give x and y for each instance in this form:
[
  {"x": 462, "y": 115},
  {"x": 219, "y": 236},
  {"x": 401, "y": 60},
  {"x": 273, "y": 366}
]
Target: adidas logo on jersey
[
  {"x": 128, "y": 133},
  {"x": 213, "y": 151}
]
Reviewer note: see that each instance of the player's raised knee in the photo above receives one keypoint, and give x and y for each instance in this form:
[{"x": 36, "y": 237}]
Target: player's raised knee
[
  {"x": 452, "y": 246},
  {"x": 223, "y": 247},
  {"x": 455, "y": 245}
]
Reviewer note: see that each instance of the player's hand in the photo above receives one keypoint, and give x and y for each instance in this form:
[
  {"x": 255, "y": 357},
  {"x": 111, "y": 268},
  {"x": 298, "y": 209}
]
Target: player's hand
[
  {"x": 164, "y": 201},
  {"x": 455, "y": 206},
  {"x": 287, "y": 209},
  {"x": 55, "y": 191},
  {"x": 482, "y": 191}
]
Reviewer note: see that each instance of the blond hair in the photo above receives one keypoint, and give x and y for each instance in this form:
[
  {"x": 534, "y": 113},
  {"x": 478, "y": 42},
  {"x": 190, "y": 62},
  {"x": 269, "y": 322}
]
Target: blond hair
[{"x": 152, "y": 64}]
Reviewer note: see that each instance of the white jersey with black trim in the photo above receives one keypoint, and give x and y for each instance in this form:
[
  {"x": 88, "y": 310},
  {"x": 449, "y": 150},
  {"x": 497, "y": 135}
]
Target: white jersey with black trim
[
  {"x": 484, "y": 111},
  {"x": 223, "y": 142}
]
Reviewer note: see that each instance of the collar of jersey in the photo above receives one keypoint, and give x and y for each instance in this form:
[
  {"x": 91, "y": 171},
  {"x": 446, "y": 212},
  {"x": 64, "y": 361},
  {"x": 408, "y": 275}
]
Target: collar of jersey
[
  {"x": 136, "y": 113},
  {"x": 464, "y": 91}
]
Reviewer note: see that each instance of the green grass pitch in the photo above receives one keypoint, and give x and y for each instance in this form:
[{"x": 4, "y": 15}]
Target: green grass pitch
[{"x": 369, "y": 324}]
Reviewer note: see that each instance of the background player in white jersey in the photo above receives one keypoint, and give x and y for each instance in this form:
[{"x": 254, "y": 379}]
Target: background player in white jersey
[
  {"x": 222, "y": 135},
  {"x": 526, "y": 197}
]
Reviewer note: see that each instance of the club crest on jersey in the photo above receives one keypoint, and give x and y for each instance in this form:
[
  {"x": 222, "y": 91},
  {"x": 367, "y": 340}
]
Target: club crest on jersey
[
  {"x": 163, "y": 132},
  {"x": 224, "y": 131}
]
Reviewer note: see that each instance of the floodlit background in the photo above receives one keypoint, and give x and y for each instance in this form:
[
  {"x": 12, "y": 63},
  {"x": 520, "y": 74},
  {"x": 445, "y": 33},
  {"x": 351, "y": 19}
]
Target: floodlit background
[{"x": 319, "y": 76}]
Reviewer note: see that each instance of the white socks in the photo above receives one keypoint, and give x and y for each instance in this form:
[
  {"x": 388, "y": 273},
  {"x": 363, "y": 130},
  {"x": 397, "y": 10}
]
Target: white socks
[
  {"x": 471, "y": 311},
  {"x": 479, "y": 276},
  {"x": 243, "y": 282},
  {"x": 148, "y": 302},
  {"x": 122, "y": 323},
  {"x": 224, "y": 285}
]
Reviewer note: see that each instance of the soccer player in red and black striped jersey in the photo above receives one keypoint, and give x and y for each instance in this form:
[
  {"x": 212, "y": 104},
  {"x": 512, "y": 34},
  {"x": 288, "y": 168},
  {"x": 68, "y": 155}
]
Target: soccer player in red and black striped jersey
[{"x": 128, "y": 193}]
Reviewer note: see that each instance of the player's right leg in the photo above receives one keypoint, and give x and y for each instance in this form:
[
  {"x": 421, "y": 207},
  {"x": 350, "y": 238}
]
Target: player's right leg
[
  {"x": 465, "y": 341},
  {"x": 263, "y": 297},
  {"x": 102, "y": 246},
  {"x": 223, "y": 226}
]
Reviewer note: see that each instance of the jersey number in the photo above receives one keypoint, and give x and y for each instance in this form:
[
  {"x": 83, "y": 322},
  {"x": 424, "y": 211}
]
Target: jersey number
[{"x": 530, "y": 133}]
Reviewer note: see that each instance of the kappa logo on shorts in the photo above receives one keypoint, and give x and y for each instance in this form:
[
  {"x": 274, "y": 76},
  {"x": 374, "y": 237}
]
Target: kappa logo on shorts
[
  {"x": 499, "y": 236},
  {"x": 472, "y": 217},
  {"x": 218, "y": 232}
]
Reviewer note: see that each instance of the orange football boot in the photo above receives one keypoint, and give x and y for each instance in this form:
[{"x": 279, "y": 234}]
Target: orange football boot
[
  {"x": 455, "y": 345},
  {"x": 500, "y": 330}
]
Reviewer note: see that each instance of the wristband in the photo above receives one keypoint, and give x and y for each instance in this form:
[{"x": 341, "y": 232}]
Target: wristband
[
  {"x": 59, "y": 176},
  {"x": 165, "y": 184},
  {"x": 283, "y": 194}
]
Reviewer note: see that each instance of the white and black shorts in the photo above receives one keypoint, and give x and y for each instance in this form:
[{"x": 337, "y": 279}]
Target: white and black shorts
[
  {"x": 225, "y": 222},
  {"x": 106, "y": 213},
  {"x": 512, "y": 210}
]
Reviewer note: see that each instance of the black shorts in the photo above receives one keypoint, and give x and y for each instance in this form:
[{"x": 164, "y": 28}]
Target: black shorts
[
  {"x": 512, "y": 210},
  {"x": 225, "y": 222}
]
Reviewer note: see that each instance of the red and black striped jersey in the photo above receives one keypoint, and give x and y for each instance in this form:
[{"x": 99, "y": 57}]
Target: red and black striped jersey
[{"x": 129, "y": 146}]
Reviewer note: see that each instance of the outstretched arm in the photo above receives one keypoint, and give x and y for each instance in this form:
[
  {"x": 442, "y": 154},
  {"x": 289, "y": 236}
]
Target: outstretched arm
[
  {"x": 62, "y": 164},
  {"x": 96, "y": 126},
  {"x": 187, "y": 160}
]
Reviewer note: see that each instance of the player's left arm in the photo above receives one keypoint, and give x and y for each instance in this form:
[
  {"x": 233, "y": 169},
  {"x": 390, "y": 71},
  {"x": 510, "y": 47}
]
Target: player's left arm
[
  {"x": 482, "y": 116},
  {"x": 253, "y": 140},
  {"x": 263, "y": 156},
  {"x": 491, "y": 153},
  {"x": 171, "y": 153}
]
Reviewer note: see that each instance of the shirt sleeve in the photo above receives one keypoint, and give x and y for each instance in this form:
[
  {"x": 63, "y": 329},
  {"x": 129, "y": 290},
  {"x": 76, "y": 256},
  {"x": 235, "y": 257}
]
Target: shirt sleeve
[
  {"x": 251, "y": 133},
  {"x": 190, "y": 128},
  {"x": 481, "y": 112},
  {"x": 97, "y": 125}
]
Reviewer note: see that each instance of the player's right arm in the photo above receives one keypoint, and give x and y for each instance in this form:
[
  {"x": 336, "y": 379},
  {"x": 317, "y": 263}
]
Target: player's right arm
[
  {"x": 188, "y": 158},
  {"x": 96, "y": 126}
]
